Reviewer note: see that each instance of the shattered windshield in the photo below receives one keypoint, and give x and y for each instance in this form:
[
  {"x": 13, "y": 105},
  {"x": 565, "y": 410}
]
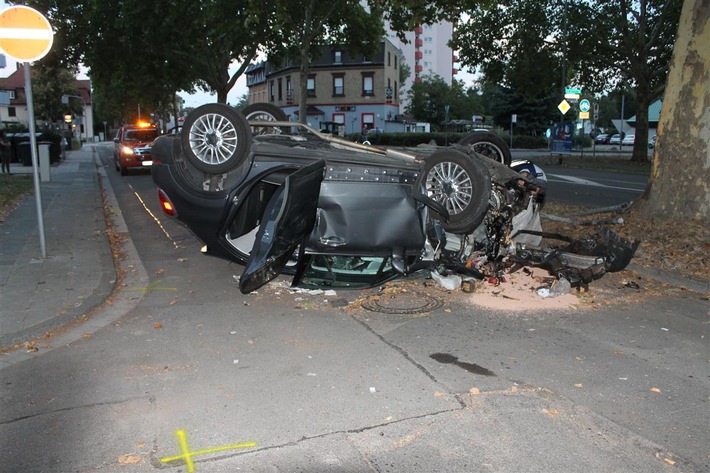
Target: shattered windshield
[{"x": 346, "y": 271}]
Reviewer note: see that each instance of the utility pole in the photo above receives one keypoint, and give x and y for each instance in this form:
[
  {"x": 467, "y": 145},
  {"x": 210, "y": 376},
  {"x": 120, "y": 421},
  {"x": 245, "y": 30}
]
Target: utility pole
[{"x": 564, "y": 59}]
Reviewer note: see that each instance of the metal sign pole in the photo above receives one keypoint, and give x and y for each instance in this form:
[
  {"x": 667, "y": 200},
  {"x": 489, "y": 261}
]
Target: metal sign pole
[{"x": 35, "y": 163}]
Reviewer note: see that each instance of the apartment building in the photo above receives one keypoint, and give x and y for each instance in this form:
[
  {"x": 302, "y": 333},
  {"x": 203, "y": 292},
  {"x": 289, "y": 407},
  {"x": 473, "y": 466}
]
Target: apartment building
[
  {"x": 426, "y": 52},
  {"x": 355, "y": 91}
]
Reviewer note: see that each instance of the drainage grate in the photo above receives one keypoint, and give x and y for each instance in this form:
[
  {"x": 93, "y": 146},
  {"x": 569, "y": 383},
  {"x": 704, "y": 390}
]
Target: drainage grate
[{"x": 403, "y": 303}]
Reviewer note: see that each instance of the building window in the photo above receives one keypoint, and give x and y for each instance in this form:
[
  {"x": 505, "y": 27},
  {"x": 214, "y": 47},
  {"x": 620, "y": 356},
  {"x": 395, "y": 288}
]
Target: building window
[
  {"x": 338, "y": 85},
  {"x": 368, "y": 84},
  {"x": 311, "y": 85},
  {"x": 368, "y": 121},
  {"x": 281, "y": 97},
  {"x": 337, "y": 56},
  {"x": 272, "y": 92},
  {"x": 389, "y": 58},
  {"x": 11, "y": 112}
]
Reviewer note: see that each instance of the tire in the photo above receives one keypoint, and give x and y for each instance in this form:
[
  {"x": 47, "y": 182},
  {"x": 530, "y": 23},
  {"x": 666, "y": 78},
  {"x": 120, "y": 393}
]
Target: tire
[
  {"x": 462, "y": 185},
  {"x": 266, "y": 112},
  {"x": 124, "y": 171},
  {"x": 489, "y": 145},
  {"x": 215, "y": 138}
]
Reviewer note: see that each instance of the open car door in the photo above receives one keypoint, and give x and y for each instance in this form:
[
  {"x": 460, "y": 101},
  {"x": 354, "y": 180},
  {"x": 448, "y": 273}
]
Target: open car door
[{"x": 288, "y": 219}]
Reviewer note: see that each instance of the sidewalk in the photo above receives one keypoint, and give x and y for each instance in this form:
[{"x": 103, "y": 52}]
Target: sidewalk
[{"x": 38, "y": 295}]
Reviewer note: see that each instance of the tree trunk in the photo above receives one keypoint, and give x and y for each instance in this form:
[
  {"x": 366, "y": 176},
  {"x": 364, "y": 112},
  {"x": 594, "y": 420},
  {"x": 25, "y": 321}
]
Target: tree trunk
[
  {"x": 679, "y": 184},
  {"x": 640, "y": 150}
]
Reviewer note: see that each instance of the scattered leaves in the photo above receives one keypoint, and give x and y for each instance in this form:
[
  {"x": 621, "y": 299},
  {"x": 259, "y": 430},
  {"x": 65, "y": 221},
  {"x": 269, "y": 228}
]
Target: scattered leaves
[
  {"x": 579, "y": 385},
  {"x": 681, "y": 248},
  {"x": 655, "y": 390},
  {"x": 157, "y": 325},
  {"x": 551, "y": 412}
]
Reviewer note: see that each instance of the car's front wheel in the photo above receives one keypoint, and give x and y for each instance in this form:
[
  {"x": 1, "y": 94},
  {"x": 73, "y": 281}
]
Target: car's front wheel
[
  {"x": 462, "y": 185},
  {"x": 489, "y": 145},
  {"x": 216, "y": 138}
]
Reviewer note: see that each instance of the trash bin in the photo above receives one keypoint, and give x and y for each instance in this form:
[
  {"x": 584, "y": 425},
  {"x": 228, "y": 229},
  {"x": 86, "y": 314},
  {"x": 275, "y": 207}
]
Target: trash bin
[{"x": 24, "y": 153}]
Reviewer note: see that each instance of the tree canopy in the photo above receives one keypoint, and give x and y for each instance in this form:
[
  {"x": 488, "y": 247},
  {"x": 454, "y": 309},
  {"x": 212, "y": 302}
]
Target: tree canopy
[
  {"x": 527, "y": 45},
  {"x": 144, "y": 52},
  {"x": 429, "y": 98}
]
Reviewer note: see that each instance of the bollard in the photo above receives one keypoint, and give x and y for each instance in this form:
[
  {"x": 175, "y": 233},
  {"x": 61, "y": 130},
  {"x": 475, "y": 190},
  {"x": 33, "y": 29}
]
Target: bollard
[{"x": 44, "y": 161}]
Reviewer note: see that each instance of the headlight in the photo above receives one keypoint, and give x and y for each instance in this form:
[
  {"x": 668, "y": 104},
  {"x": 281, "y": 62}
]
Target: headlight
[{"x": 126, "y": 150}]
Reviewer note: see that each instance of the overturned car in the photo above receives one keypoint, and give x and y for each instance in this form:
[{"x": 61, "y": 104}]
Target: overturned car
[{"x": 280, "y": 197}]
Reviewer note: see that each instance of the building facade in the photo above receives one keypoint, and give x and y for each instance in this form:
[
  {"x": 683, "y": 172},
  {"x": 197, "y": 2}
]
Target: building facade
[
  {"x": 13, "y": 104},
  {"x": 427, "y": 53},
  {"x": 357, "y": 92}
]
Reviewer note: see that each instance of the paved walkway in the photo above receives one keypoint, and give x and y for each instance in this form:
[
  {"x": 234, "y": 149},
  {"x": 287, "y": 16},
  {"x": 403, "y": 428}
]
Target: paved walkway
[{"x": 38, "y": 295}]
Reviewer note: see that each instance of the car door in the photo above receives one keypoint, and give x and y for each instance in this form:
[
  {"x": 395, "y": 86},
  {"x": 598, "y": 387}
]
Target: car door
[{"x": 289, "y": 218}]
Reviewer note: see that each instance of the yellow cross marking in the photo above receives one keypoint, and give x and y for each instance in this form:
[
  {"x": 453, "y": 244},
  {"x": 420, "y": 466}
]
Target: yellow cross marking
[
  {"x": 187, "y": 455},
  {"x": 154, "y": 287}
]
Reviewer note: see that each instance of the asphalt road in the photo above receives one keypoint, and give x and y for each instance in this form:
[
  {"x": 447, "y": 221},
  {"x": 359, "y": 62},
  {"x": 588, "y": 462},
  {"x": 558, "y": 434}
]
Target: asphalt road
[
  {"x": 594, "y": 188},
  {"x": 318, "y": 387}
]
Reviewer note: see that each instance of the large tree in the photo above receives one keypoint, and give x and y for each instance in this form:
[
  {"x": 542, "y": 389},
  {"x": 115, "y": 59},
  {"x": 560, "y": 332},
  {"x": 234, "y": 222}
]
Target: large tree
[
  {"x": 538, "y": 46},
  {"x": 144, "y": 52},
  {"x": 429, "y": 98},
  {"x": 49, "y": 84},
  {"x": 679, "y": 185},
  {"x": 626, "y": 42}
]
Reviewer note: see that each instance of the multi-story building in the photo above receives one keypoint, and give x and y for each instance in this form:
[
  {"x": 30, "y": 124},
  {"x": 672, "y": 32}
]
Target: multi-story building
[
  {"x": 13, "y": 105},
  {"x": 426, "y": 52},
  {"x": 355, "y": 91}
]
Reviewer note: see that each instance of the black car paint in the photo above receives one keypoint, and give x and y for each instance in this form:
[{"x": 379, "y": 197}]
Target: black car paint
[{"x": 218, "y": 215}]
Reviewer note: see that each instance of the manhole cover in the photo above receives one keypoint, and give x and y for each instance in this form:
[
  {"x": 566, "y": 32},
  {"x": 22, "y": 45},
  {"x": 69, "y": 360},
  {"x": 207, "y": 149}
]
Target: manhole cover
[{"x": 404, "y": 303}]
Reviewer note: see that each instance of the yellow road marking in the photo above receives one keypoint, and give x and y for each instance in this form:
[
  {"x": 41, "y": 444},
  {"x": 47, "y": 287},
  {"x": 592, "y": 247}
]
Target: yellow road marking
[{"x": 187, "y": 455}]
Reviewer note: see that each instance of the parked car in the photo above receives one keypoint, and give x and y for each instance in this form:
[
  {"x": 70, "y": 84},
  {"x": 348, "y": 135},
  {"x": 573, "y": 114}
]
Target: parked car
[
  {"x": 628, "y": 140},
  {"x": 652, "y": 142},
  {"x": 615, "y": 139},
  {"x": 602, "y": 139},
  {"x": 278, "y": 196},
  {"x": 132, "y": 147}
]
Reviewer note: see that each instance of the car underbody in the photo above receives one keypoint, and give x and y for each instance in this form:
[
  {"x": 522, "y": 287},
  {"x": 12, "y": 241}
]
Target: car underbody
[{"x": 343, "y": 215}]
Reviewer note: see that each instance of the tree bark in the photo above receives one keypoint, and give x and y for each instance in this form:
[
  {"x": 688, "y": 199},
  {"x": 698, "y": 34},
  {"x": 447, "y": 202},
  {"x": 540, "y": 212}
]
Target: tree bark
[{"x": 679, "y": 184}]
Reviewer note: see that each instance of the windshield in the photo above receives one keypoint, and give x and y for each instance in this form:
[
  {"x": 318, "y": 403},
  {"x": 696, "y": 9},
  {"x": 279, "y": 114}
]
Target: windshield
[
  {"x": 140, "y": 135},
  {"x": 354, "y": 272}
]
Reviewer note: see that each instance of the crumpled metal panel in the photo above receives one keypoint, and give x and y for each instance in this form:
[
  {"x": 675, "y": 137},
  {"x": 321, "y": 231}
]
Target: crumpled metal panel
[{"x": 367, "y": 218}]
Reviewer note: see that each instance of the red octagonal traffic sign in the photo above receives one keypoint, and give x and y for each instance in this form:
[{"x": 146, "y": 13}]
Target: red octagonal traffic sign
[{"x": 25, "y": 34}]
